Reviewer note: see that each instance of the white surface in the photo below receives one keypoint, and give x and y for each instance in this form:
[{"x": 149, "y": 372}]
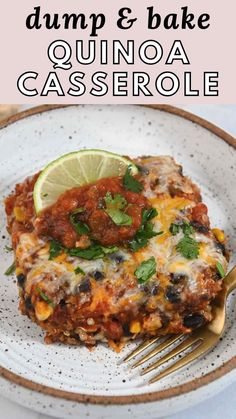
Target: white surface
[
  {"x": 222, "y": 406},
  {"x": 225, "y": 403}
]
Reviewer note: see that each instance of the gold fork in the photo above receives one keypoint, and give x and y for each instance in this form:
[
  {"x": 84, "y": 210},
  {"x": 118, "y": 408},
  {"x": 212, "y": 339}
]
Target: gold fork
[{"x": 199, "y": 342}]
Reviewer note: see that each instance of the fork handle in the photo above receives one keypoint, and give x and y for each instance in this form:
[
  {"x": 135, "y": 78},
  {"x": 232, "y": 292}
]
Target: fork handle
[{"x": 230, "y": 281}]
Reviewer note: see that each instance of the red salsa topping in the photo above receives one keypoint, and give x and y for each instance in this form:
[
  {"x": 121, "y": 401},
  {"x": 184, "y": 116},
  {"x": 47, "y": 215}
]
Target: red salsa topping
[{"x": 87, "y": 204}]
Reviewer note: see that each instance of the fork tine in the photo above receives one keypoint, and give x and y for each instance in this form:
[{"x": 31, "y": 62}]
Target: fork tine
[
  {"x": 141, "y": 348},
  {"x": 155, "y": 351},
  {"x": 176, "y": 351},
  {"x": 202, "y": 348}
]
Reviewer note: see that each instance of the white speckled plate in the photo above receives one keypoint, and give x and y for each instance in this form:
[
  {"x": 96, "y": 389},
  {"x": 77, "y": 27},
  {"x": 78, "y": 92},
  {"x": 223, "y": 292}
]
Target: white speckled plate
[{"x": 70, "y": 381}]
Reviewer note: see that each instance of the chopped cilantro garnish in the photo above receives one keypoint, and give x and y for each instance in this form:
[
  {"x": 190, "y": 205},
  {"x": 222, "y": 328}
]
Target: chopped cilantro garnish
[
  {"x": 145, "y": 270},
  {"x": 145, "y": 231},
  {"x": 109, "y": 250},
  {"x": 130, "y": 183},
  {"x": 11, "y": 269},
  {"x": 80, "y": 227},
  {"x": 174, "y": 229},
  {"x": 95, "y": 251},
  {"x": 118, "y": 202},
  {"x": 137, "y": 243},
  {"x": 149, "y": 214},
  {"x": 187, "y": 228},
  {"x": 45, "y": 297},
  {"x": 79, "y": 270},
  {"x": 55, "y": 249},
  {"x": 8, "y": 249},
  {"x": 119, "y": 218},
  {"x": 188, "y": 247},
  {"x": 114, "y": 207},
  {"x": 184, "y": 226},
  {"x": 220, "y": 269}
]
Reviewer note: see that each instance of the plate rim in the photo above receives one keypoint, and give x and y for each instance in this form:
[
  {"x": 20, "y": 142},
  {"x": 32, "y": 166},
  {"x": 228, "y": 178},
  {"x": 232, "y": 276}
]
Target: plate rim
[{"x": 159, "y": 395}]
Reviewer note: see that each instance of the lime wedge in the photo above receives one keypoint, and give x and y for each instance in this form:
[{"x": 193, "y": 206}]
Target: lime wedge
[{"x": 77, "y": 169}]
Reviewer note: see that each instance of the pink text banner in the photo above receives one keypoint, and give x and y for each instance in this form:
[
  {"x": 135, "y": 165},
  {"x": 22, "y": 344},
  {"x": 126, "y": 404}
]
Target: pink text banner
[{"x": 125, "y": 51}]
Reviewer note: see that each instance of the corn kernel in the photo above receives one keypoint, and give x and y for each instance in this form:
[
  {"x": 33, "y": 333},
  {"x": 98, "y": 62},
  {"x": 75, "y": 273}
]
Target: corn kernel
[
  {"x": 135, "y": 326},
  {"x": 19, "y": 214},
  {"x": 61, "y": 258},
  {"x": 219, "y": 234},
  {"x": 69, "y": 266},
  {"x": 43, "y": 310}
]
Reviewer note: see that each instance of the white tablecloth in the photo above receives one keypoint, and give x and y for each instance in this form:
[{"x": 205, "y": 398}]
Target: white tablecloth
[{"x": 224, "y": 404}]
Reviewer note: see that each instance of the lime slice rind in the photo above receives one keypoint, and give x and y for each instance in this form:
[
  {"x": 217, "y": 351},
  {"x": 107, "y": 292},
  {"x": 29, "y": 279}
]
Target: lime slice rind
[{"x": 77, "y": 169}]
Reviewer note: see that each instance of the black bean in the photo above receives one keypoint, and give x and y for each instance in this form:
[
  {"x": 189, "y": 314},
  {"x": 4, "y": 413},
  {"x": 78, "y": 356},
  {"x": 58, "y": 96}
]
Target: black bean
[
  {"x": 177, "y": 278},
  {"x": 155, "y": 289},
  {"x": 221, "y": 247},
  {"x": 205, "y": 297},
  {"x": 21, "y": 280},
  {"x": 62, "y": 303},
  {"x": 143, "y": 170},
  {"x": 126, "y": 329},
  {"x": 172, "y": 294},
  {"x": 180, "y": 170},
  {"x": 164, "y": 319},
  {"x": 98, "y": 275},
  {"x": 145, "y": 288},
  {"x": 85, "y": 285},
  {"x": 199, "y": 227},
  {"x": 28, "y": 304},
  {"x": 117, "y": 257},
  {"x": 217, "y": 276},
  {"x": 75, "y": 336},
  {"x": 193, "y": 320}
]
